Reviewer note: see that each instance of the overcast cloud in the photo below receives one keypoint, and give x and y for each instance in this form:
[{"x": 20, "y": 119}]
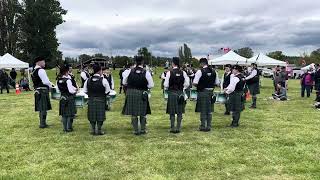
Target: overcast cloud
[{"x": 121, "y": 27}]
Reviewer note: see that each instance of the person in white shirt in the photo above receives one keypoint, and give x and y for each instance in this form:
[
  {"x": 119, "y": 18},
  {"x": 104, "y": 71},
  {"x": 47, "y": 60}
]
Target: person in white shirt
[
  {"x": 67, "y": 108},
  {"x": 84, "y": 76},
  {"x": 235, "y": 91},
  {"x": 205, "y": 80},
  {"x": 176, "y": 81},
  {"x": 42, "y": 85},
  {"x": 225, "y": 83},
  {"x": 138, "y": 81},
  {"x": 163, "y": 77},
  {"x": 97, "y": 89},
  {"x": 126, "y": 74},
  {"x": 253, "y": 81}
]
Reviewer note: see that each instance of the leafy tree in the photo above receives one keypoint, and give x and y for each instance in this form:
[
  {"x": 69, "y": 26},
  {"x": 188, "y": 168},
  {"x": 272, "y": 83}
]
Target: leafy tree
[
  {"x": 146, "y": 54},
  {"x": 185, "y": 54},
  {"x": 245, "y": 52},
  {"x": 277, "y": 55},
  {"x": 39, "y": 21}
]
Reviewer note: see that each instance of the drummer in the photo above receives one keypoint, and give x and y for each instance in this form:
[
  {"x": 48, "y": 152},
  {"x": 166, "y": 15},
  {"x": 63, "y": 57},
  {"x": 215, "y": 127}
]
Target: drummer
[
  {"x": 235, "y": 91},
  {"x": 125, "y": 74},
  {"x": 42, "y": 85},
  {"x": 67, "y": 100},
  {"x": 175, "y": 81},
  {"x": 97, "y": 88},
  {"x": 225, "y": 83},
  {"x": 138, "y": 81},
  {"x": 205, "y": 80},
  {"x": 107, "y": 74},
  {"x": 74, "y": 84},
  {"x": 84, "y": 76}
]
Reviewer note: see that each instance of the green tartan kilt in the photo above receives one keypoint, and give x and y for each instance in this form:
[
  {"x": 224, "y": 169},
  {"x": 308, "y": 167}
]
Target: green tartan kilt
[
  {"x": 204, "y": 104},
  {"x": 236, "y": 102},
  {"x": 173, "y": 106},
  {"x": 135, "y": 105},
  {"x": 42, "y": 100},
  {"x": 254, "y": 88},
  {"x": 67, "y": 106},
  {"x": 97, "y": 109}
]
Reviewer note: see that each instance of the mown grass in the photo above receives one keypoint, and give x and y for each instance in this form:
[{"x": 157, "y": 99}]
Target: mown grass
[{"x": 279, "y": 140}]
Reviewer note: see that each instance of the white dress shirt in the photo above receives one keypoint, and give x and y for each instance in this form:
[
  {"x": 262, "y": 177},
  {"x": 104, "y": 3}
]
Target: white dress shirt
[
  {"x": 163, "y": 75},
  {"x": 127, "y": 72},
  {"x": 104, "y": 83},
  {"x": 233, "y": 83},
  {"x": 71, "y": 88},
  {"x": 186, "y": 80},
  {"x": 84, "y": 75},
  {"x": 253, "y": 73},
  {"x": 43, "y": 76},
  {"x": 199, "y": 74}
]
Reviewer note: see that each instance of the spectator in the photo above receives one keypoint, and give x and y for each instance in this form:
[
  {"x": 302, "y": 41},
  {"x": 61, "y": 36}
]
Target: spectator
[
  {"x": 24, "y": 83},
  {"x": 4, "y": 78},
  {"x": 281, "y": 93},
  {"x": 13, "y": 74},
  {"x": 306, "y": 83}
]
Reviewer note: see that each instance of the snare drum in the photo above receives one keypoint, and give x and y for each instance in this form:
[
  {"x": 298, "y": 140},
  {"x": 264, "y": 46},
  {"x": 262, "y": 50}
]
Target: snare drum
[
  {"x": 80, "y": 101},
  {"x": 220, "y": 98},
  {"x": 165, "y": 94},
  {"x": 193, "y": 94},
  {"x": 112, "y": 96},
  {"x": 55, "y": 94}
]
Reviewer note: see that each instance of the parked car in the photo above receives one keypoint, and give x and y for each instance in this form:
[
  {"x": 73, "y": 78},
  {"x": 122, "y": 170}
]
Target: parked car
[
  {"x": 267, "y": 72},
  {"x": 297, "y": 73}
]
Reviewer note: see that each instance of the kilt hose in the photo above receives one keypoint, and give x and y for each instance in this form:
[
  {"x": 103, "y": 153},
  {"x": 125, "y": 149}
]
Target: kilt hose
[
  {"x": 42, "y": 100},
  {"x": 204, "y": 104},
  {"x": 135, "y": 105},
  {"x": 67, "y": 106},
  {"x": 173, "y": 105},
  {"x": 97, "y": 109},
  {"x": 254, "y": 88}
]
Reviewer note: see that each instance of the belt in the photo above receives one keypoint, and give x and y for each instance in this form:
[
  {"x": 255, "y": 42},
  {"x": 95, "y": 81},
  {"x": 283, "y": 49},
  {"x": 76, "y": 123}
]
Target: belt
[{"x": 42, "y": 88}]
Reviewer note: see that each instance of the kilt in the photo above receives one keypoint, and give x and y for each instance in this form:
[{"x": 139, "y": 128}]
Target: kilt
[
  {"x": 67, "y": 106},
  {"x": 235, "y": 100},
  {"x": 42, "y": 100},
  {"x": 173, "y": 106},
  {"x": 204, "y": 104},
  {"x": 97, "y": 109},
  {"x": 254, "y": 88},
  {"x": 134, "y": 104}
]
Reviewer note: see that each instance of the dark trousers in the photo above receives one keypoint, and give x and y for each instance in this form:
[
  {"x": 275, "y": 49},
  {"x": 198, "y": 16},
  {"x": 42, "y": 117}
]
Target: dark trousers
[
  {"x": 172, "y": 121},
  {"x": 235, "y": 118},
  {"x": 305, "y": 88},
  {"x": 94, "y": 125},
  {"x": 206, "y": 119},
  {"x": 135, "y": 123},
  {"x": 4, "y": 85},
  {"x": 227, "y": 106}
]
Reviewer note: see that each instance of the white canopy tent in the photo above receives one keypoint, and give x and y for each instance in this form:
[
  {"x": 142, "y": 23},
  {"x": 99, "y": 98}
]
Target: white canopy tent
[
  {"x": 8, "y": 61},
  {"x": 309, "y": 67},
  {"x": 263, "y": 60},
  {"x": 229, "y": 58}
]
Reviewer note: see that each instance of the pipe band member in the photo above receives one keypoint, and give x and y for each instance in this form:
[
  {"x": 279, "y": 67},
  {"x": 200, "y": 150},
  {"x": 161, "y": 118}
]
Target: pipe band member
[
  {"x": 253, "y": 81},
  {"x": 138, "y": 81},
  {"x": 42, "y": 85},
  {"x": 205, "y": 80},
  {"x": 175, "y": 81},
  {"x": 235, "y": 90},
  {"x": 225, "y": 83},
  {"x": 67, "y": 105},
  {"x": 97, "y": 89},
  {"x": 84, "y": 76}
]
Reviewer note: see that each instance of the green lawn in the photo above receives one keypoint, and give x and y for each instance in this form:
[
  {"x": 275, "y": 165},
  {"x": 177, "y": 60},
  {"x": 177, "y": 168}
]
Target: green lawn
[{"x": 279, "y": 140}]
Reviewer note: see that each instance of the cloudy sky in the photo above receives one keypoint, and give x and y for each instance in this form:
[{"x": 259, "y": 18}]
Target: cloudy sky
[{"x": 121, "y": 27}]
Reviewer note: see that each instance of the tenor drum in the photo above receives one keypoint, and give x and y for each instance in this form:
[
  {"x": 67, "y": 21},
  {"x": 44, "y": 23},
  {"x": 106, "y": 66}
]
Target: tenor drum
[
  {"x": 165, "y": 94},
  {"x": 220, "y": 98},
  {"x": 193, "y": 94},
  {"x": 55, "y": 94}
]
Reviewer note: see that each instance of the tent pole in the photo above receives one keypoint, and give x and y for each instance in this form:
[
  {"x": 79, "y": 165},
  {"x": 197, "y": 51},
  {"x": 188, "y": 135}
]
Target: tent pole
[{"x": 29, "y": 77}]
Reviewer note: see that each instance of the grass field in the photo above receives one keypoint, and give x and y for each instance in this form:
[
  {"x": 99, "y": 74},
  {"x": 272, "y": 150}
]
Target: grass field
[{"x": 279, "y": 140}]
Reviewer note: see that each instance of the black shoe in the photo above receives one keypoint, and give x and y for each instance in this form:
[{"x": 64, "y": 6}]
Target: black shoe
[
  {"x": 177, "y": 131},
  {"x": 234, "y": 125},
  {"x": 202, "y": 129},
  {"x": 143, "y": 132},
  {"x": 100, "y": 133},
  {"x": 137, "y": 133},
  {"x": 43, "y": 126},
  {"x": 70, "y": 130},
  {"x": 172, "y": 131},
  {"x": 227, "y": 113},
  {"x": 208, "y": 130}
]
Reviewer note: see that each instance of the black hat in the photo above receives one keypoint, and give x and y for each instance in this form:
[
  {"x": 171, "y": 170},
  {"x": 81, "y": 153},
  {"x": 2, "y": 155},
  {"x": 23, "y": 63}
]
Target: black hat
[
  {"x": 176, "y": 61},
  {"x": 39, "y": 58},
  {"x": 253, "y": 64},
  {"x": 139, "y": 60},
  {"x": 228, "y": 65},
  {"x": 237, "y": 67},
  {"x": 96, "y": 67},
  {"x": 64, "y": 68},
  {"x": 203, "y": 61}
]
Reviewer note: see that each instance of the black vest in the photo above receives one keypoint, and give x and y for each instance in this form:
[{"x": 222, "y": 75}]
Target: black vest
[
  {"x": 37, "y": 82},
  {"x": 82, "y": 80},
  {"x": 176, "y": 80},
  {"x": 63, "y": 87},
  {"x": 95, "y": 87},
  {"x": 207, "y": 79},
  {"x": 73, "y": 80},
  {"x": 137, "y": 79},
  {"x": 109, "y": 79},
  {"x": 226, "y": 80},
  {"x": 240, "y": 84},
  {"x": 255, "y": 79}
]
